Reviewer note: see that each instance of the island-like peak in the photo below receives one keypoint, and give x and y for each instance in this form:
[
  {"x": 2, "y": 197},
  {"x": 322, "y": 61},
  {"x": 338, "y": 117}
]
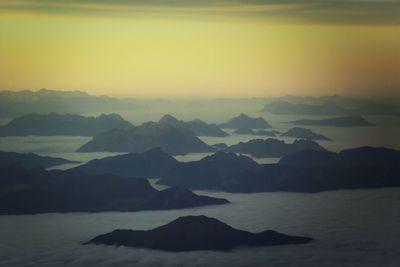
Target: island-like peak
[
  {"x": 195, "y": 233},
  {"x": 243, "y": 120},
  {"x": 173, "y": 140}
]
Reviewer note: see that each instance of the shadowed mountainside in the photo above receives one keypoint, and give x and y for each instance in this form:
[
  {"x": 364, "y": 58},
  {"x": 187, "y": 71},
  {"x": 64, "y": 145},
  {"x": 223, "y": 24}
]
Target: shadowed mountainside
[
  {"x": 304, "y": 171},
  {"x": 149, "y": 164},
  {"x": 210, "y": 172},
  {"x": 39, "y": 191}
]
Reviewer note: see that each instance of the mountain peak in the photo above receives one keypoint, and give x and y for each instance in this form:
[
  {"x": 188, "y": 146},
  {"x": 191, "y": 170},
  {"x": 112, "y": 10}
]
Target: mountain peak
[{"x": 168, "y": 118}]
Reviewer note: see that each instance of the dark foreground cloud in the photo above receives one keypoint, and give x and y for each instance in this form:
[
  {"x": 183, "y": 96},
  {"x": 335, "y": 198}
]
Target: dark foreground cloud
[{"x": 370, "y": 12}]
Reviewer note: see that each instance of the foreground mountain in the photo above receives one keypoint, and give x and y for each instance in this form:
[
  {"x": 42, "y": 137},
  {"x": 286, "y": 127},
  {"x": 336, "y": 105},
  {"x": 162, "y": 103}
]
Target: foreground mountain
[
  {"x": 349, "y": 121},
  {"x": 174, "y": 141},
  {"x": 14, "y": 104},
  {"x": 305, "y": 171},
  {"x": 200, "y": 128},
  {"x": 244, "y": 120},
  {"x": 298, "y": 132},
  {"x": 30, "y": 160},
  {"x": 67, "y": 124},
  {"x": 40, "y": 191},
  {"x": 149, "y": 164},
  {"x": 272, "y": 147},
  {"x": 195, "y": 233}
]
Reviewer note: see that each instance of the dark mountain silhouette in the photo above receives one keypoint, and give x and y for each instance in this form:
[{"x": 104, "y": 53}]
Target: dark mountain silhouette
[
  {"x": 244, "y": 120},
  {"x": 30, "y": 160},
  {"x": 149, "y": 135},
  {"x": 303, "y": 133},
  {"x": 304, "y": 171},
  {"x": 149, "y": 164},
  {"x": 349, "y": 121},
  {"x": 68, "y": 124},
  {"x": 211, "y": 172},
  {"x": 44, "y": 101},
  {"x": 195, "y": 233},
  {"x": 272, "y": 147},
  {"x": 249, "y": 131},
  {"x": 39, "y": 191},
  {"x": 200, "y": 128}
]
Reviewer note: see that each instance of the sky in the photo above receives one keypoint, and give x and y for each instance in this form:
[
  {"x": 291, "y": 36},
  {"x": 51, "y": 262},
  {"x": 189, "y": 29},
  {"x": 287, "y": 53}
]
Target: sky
[{"x": 202, "y": 48}]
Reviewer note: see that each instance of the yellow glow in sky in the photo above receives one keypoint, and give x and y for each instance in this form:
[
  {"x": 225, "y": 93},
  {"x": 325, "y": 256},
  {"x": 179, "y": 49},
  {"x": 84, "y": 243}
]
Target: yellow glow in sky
[{"x": 196, "y": 56}]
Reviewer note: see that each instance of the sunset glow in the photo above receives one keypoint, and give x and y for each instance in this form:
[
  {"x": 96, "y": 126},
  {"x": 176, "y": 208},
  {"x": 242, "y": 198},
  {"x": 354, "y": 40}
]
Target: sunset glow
[{"x": 198, "y": 49}]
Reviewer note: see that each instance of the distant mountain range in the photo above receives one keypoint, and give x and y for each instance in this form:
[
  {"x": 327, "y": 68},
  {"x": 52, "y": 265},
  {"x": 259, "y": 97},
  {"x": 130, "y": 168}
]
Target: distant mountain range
[
  {"x": 199, "y": 127},
  {"x": 244, "y": 120},
  {"x": 39, "y": 191},
  {"x": 334, "y": 105},
  {"x": 175, "y": 141},
  {"x": 305, "y": 171},
  {"x": 348, "y": 121},
  {"x": 66, "y": 124},
  {"x": 284, "y": 107},
  {"x": 17, "y": 103},
  {"x": 195, "y": 233}
]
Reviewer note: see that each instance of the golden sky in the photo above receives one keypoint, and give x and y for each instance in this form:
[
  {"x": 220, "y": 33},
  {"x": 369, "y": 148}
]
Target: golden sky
[{"x": 203, "y": 48}]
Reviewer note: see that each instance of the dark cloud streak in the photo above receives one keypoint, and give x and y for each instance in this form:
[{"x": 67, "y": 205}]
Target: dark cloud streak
[{"x": 368, "y": 12}]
